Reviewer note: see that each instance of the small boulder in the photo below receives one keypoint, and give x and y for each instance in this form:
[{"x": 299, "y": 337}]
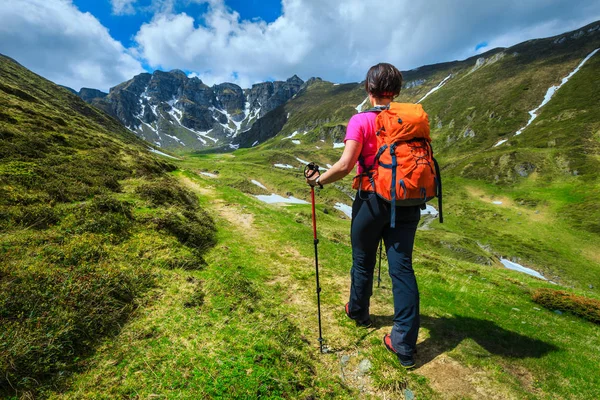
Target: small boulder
[{"x": 364, "y": 366}]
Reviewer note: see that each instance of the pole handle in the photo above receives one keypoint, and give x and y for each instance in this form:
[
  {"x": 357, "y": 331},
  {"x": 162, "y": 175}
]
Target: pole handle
[{"x": 310, "y": 170}]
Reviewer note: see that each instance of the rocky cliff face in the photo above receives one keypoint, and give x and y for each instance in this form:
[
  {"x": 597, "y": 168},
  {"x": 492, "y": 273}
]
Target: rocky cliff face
[
  {"x": 171, "y": 110},
  {"x": 88, "y": 94}
]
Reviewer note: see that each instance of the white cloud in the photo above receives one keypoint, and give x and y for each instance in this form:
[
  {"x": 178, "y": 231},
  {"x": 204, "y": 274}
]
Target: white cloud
[
  {"x": 123, "y": 7},
  {"x": 54, "y": 39},
  {"x": 339, "y": 41}
]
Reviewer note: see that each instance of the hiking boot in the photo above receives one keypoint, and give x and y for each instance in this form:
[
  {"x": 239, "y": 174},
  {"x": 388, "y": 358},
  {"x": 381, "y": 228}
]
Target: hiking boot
[
  {"x": 367, "y": 323},
  {"x": 406, "y": 361}
]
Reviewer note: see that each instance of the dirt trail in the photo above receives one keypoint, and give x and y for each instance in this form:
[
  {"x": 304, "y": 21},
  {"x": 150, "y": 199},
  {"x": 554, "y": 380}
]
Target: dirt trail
[
  {"x": 446, "y": 376},
  {"x": 344, "y": 361}
]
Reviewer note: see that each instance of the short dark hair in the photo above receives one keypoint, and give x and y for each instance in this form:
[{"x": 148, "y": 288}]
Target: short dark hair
[{"x": 383, "y": 80}]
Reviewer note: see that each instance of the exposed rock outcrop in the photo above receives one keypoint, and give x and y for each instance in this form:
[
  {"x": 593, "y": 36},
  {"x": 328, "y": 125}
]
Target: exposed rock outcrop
[{"x": 172, "y": 110}]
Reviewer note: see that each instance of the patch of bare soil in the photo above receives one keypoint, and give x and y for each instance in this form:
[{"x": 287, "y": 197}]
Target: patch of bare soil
[
  {"x": 525, "y": 377},
  {"x": 231, "y": 212},
  {"x": 205, "y": 190},
  {"x": 456, "y": 381},
  {"x": 538, "y": 214},
  {"x": 293, "y": 289},
  {"x": 235, "y": 214}
]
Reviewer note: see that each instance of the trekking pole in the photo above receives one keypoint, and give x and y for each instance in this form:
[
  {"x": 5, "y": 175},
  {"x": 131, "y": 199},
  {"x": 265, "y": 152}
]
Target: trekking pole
[
  {"x": 379, "y": 273},
  {"x": 310, "y": 170}
]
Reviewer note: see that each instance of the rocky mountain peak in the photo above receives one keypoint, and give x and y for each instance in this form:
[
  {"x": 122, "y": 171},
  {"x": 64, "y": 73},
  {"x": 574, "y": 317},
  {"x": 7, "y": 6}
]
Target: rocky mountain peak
[
  {"x": 295, "y": 80},
  {"x": 88, "y": 94},
  {"x": 164, "y": 86},
  {"x": 137, "y": 84},
  {"x": 171, "y": 110},
  {"x": 230, "y": 97},
  {"x": 177, "y": 72},
  {"x": 310, "y": 81}
]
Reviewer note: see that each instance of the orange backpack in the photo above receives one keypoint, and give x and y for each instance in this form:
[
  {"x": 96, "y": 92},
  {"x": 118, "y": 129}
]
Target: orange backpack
[{"x": 404, "y": 172}]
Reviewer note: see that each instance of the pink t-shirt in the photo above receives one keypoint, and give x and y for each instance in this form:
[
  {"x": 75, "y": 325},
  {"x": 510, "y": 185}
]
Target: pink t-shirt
[{"x": 361, "y": 128}]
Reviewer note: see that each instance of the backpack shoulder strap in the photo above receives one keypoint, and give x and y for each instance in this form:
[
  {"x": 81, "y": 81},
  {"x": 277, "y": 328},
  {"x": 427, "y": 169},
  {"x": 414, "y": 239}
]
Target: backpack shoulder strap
[{"x": 376, "y": 109}]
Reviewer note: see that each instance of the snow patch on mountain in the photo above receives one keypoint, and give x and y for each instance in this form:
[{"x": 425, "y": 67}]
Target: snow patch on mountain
[
  {"x": 203, "y": 134},
  {"x": 176, "y": 114},
  {"x": 346, "y": 209},
  {"x": 361, "y": 105},
  {"x": 518, "y": 267},
  {"x": 292, "y": 135},
  {"x": 161, "y": 153},
  {"x": 435, "y": 89},
  {"x": 257, "y": 183},
  {"x": 175, "y": 138},
  {"x": 552, "y": 90},
  {"x": 150, "y": 127},
  {"x": 275, "y": 198}
]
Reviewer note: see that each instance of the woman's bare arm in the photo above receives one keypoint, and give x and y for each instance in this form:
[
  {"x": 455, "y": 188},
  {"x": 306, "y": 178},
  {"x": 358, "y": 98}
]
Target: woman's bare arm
[{"x": 342, "y": 167}]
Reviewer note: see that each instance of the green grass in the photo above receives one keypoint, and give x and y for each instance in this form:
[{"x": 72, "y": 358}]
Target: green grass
[
  {"x": 212, "y": 333},
  {"x": 89, "y": 218},
  {"x": 206, "y": 333},
  {"x": 113, "y": 282}
]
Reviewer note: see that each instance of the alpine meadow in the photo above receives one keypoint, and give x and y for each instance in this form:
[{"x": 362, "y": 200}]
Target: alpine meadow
[{"x": 157, "y": 240}]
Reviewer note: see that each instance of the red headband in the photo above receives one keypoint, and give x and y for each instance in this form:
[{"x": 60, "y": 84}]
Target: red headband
[{"x": 387, "y": 94}]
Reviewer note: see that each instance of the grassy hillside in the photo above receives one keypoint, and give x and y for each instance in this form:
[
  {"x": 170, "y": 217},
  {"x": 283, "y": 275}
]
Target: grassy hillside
[
  {"x": 123, "y": 275},
  {"x": 246, "y": 326},
  {"x": 548, "y": 173},
  {"x": 89, "y": 221}
]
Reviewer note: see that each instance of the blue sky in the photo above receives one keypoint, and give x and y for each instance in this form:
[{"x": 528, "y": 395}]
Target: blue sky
[
  {"x": 481, "y": 45},
  {"x": 101, "y": 43},
  {"x": 124, "y": 27}
]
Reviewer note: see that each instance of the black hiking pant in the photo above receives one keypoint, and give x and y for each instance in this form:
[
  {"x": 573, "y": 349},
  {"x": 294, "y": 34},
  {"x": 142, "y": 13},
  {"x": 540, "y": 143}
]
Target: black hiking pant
[{"x": 370, "y": 223}]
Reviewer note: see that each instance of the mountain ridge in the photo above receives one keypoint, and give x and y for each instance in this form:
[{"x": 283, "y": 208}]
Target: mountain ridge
[
  {"x": 206, "y": 121},
  {"x": 171, "y": 110}
]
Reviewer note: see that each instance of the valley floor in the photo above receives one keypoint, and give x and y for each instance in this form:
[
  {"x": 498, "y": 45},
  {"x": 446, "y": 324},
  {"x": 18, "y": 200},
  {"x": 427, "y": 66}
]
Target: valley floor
[{"x": 245, "y": 326}]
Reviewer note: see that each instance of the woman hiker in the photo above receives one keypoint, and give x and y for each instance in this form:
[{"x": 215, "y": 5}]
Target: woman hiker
[{"x": 371, "y": 223}]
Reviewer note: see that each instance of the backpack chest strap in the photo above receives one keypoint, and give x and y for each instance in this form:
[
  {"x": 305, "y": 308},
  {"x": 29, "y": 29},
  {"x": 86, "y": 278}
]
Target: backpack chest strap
[{"x": 393, "y": 186}]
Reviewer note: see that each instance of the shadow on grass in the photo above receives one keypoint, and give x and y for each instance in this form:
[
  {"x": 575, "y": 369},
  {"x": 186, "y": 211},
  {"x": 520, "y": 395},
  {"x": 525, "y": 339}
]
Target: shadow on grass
[{"x": 445, "y": 333}]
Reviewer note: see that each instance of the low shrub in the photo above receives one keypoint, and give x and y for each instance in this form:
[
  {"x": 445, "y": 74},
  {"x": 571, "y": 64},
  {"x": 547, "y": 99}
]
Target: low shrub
[
  {"x": 76, "y": 177},
  {"x": 37, "y": 216},
  {"x": 197, "y": 297},
  {"x": 107, "y": 203},
  {"x": 103, "y": 214},
  {"x": 78, "y": 250},
  {"x": 9, "y": 195},
  {"x": 195, "y": 229},
  {"x": 583, "y": 307},
  {"x": 191, "y": 261},
  {"x": 51, "y": 315},
  {"x": 151, "y": 167},
  {"x": 167, "y": 192}
]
